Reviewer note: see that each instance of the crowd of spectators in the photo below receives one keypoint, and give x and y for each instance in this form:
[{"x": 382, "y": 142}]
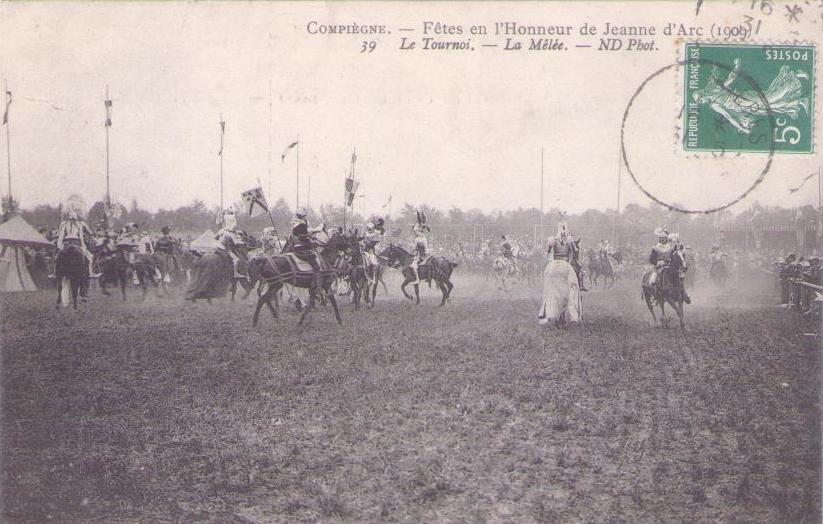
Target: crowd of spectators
[{"x": 801, "y": 283}]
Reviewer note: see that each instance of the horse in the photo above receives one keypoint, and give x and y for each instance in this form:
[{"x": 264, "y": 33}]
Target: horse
[
  {"x": 598, "y": 265},
  {"x": 434, "y": 268},
  {"x": 562, "y": 301},
  {"x": 169, "y": 266},
  {"x": 114, "y": 269},
  {"x": 719, "y": 272},
  {"x": 503, "y": 268},
  {"x": 277, "y": 270},
  {"x": 71, "y": 268},
  {"x": 358, "y": 273},
  {"x": 668, "y": 288}
]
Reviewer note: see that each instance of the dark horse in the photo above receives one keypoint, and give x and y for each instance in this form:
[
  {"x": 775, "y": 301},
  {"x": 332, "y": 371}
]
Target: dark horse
[
  {"x": 277, "y": 270},
  {"x": 438, "y": 269},
  {"x": 719, "y": 272},
  {"x": 358, "y": 273},
  {"x": 600, "y": 266},
  {"x": 117, "y": 270},
  {"x": 668, "y": 288},
  {"x": 71, "y": 265}
]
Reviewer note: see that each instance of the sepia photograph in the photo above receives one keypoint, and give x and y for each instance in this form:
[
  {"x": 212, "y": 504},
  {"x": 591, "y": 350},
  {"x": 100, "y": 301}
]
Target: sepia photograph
[{"x": 371, "y": 261}]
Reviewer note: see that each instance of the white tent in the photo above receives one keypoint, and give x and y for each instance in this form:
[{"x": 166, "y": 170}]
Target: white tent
[
  {"x": 205, "y": 242},
  {"x": 16, "y": 234}
]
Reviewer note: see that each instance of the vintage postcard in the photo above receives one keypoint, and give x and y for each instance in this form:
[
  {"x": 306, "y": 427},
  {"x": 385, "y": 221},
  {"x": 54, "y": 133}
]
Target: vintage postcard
[{"x": 370, "y": 261}]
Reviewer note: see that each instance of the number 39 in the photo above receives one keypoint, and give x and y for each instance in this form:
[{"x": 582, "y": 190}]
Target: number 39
[
  {"x": 784, "y": 131},
  {"x": 368, "y": 47}
]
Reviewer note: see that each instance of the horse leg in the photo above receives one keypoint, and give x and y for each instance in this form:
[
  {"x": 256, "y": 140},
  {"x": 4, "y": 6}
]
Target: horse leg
[
  {"x": 444, "y": 291},
  {"x": 122, "y": 278},
  {"x": 647, "y": 297},
  {"x": 333, "y": 301},
  {"x": 272, "y": 308},
  {"x": 403, "y": 287},
  {"x": 417, "y": 293},
  {"x": 233, "y": 288},
  {"x": 59, "y": 291},
  {"x": 262, "y": 299},
  {"x": 74, "y": 285},
  {"x": 664, "y": 320},
  {"x": 309, "y": 305},
  {"x": 677, "y": 305}
]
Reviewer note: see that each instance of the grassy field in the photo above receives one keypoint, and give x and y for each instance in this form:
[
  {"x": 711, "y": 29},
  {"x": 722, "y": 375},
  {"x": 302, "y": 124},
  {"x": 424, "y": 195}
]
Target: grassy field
[{"x": 164, "y": 411}]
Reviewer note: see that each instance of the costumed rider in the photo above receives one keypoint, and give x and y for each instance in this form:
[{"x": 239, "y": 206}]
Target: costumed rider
[
  {"x": 421, "y": 243},
  {"x": 231, "y": 239},
  {"x": 166, "y": 244},
  {"x": 507, "y": 252},
  {"x": 661, "y": 254},
  {"x": 303, "y": 241},
  {"x": 506, "y": 249},
  {"x": 661, "y": 257},
  {"x": 563, "y": 247},
  {"x": 375, "y": 231},
  {"x": 269, "y": 240},
  {"x": 605, "y": 251},
  {"x": 73, "y": 230}
]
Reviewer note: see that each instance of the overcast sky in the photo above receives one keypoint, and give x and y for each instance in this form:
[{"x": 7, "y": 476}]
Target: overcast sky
[{"x": 461, "y": 128}]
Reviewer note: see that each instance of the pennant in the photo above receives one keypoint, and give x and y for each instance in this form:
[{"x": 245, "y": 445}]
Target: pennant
[
  {"x": 222, "y": 132},
  {"x": 353, "y": 157},
  {"x": 107, "y": 103},
  {"x": 349, "y": 184},
  {"x": 796, "y": 189},
  {"x": 286, "y": 151},
  {"x": 255, "y": 202},
  {"x": 8, "y": 103},
  {"x": 387, "y": 204}
]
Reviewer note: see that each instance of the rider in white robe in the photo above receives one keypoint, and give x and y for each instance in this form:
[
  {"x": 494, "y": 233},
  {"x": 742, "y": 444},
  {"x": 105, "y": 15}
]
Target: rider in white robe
[{"x": 564, "y": 247}]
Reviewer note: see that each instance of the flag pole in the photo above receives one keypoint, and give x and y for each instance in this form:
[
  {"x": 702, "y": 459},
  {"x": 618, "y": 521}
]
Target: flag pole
[
  {"x": 271, "y": 218},
  {"x": 269, "y": 178},
  {"x": 616, "y": 232},
  {"x": 8, "y": 143},
  {"x": 297, "y": 192},
  {"x": 108, "y": 187},
  {"x": 345, "y": 203},
  {"x": 541, "y": 194},
  {"x": 222, "y": 132}
]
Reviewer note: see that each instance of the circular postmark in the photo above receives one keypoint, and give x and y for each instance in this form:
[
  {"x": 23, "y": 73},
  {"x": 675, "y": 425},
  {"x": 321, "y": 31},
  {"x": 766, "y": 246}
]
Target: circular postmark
[{"x": 680, "y": 180}]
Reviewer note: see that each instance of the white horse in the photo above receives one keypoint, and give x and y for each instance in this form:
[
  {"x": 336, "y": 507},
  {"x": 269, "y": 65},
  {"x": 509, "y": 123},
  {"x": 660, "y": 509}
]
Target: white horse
[{"x": 562, "y": 301}]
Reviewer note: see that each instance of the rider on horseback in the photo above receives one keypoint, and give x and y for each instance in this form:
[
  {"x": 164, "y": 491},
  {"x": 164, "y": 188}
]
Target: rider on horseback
[
  {"x": 73, "y": 231},
  {"x": 661, "y": 257},
  {"x": 375, "y": 231},
  {"x": 564, "y": 247},
  {"x": 506, "y": 249},
  {"x": 303, "y": 241},
  {"x": 421, "y": 244},
  {"x": 166, "y": 244}
]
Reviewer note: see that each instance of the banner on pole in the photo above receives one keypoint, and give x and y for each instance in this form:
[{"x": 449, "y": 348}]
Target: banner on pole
[{"x": 255, "y": 202}]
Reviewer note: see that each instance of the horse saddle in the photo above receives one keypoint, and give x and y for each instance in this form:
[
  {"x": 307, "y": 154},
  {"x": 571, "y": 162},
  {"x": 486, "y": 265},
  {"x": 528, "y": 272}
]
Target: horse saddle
[{"x": 301, "y": 266}]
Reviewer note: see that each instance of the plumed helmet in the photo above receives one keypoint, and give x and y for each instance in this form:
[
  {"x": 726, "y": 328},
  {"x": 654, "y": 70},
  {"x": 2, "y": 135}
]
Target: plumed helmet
[
  {"x": 165, "y": 230},
  {"x": 562, "y": 228},
  {"x": 661, "y": 232}
]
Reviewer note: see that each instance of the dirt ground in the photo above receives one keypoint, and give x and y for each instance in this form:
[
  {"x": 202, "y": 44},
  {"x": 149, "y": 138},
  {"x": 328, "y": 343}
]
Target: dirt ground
[{"x": 166, "y": 411}]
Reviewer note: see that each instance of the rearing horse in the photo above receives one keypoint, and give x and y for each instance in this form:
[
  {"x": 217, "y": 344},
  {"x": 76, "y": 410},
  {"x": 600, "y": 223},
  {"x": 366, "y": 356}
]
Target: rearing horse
[
  {"x": 437, "y": 268},
  {"x": 668, "y": 288}
]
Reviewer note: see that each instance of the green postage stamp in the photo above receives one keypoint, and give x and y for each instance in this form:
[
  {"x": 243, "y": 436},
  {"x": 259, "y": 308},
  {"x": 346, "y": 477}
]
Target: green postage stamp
[{"x": 749, "y": 98}]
